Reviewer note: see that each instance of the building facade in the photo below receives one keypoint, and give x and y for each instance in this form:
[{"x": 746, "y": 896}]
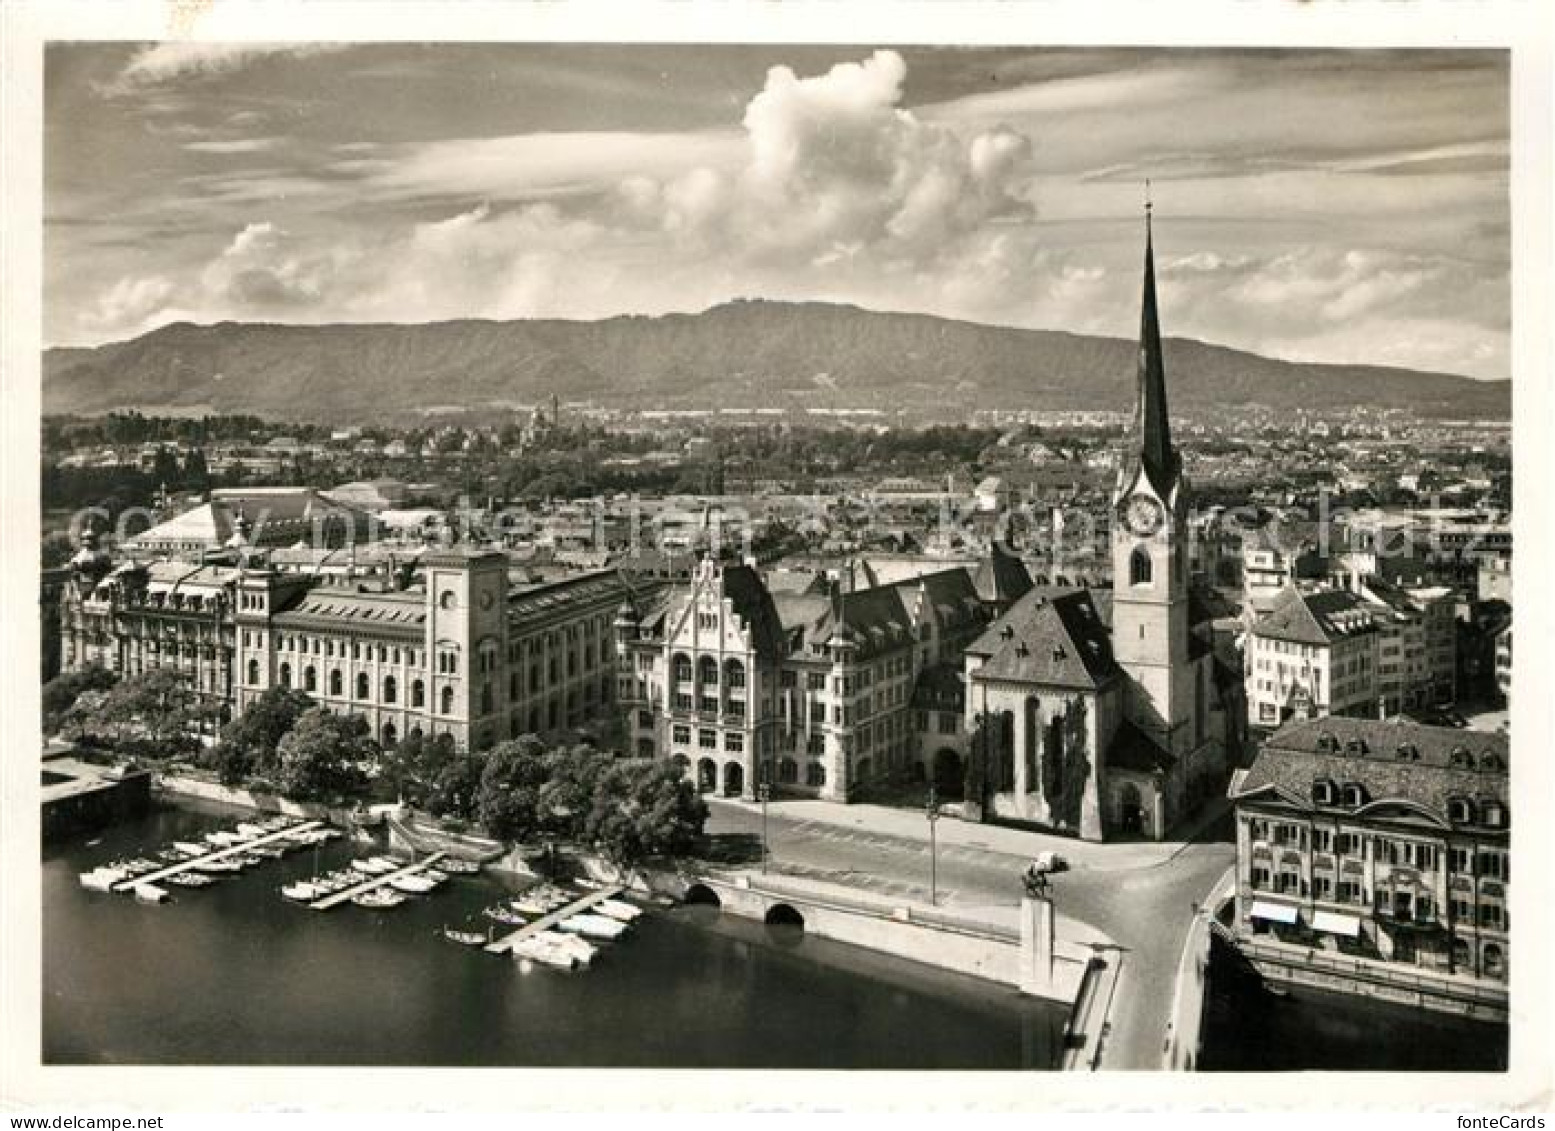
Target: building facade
[
  {"x": 1372, "y": 856},
  {"x": 811, "y": 692},
  {"x": 445, "y": 645},
  {"x": 1314, "y": 653}
]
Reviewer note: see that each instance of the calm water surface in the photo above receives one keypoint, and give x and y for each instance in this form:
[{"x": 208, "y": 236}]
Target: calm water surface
[
  {"x": 233, "y": 974},
  {"x": 1248, "y": 1029}
]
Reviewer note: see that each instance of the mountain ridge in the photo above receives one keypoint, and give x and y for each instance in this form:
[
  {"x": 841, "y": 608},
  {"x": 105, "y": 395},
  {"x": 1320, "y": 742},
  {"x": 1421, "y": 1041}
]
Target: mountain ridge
[{"x": 747, "y": 353}]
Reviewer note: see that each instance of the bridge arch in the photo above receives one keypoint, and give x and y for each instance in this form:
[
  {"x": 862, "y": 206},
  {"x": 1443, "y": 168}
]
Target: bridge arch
[
  {"x": 784, "y": 915},
  {"x": 702, "y": 896}
]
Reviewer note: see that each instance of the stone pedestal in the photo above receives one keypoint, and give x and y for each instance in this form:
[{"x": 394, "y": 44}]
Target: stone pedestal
[{"x": 1036, "y": 946}]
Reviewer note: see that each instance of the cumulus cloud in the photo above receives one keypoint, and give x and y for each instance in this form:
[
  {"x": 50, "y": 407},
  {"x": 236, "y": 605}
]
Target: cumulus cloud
[
  {"x": 131, "y": 303},
  {"x": 833, "y": 164},
  {"x": 266, "y": 269}
]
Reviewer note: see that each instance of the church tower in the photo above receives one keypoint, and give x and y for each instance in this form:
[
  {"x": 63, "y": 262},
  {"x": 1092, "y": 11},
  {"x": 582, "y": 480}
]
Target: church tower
[{"x": 1150, "y": 554}]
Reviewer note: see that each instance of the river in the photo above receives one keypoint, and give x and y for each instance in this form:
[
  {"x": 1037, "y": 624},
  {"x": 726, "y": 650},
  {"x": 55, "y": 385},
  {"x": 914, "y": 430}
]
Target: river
[{"x": 233, "y": 974}]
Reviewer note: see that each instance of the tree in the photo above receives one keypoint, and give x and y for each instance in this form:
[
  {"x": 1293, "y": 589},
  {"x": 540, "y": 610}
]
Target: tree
[
  {"x": 514, "y": 774},
  {"x": 158, "y": 703},
  {"x": 568, "y": 794},
  {"x": 249, "y": 744},
  {"x": 642, "y": 809},
  {"x": 61, "y": 692},
  {"x": 456, "y": 790},
  {"x": 321, "y": 756}
]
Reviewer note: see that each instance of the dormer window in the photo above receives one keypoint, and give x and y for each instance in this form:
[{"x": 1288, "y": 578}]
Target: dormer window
[
  {"x": 1327, "y": 743},
  {"x": 1461, "y": 759},
  {"x": 1356, "y": 748},
  {"x": 1460, "y": 810},
  {"x": 1493, "y": 815},
  {"x": 1407, "y": 752},
  {"x": 1491, "y": 761},
  {"x": 1354, "y": 795},
  {"x": 1323, "y": 792}
]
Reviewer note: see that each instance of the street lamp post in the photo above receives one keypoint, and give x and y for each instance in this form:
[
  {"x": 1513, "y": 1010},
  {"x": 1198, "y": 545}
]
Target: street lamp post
[
  {"x": 764, "y": 794},
  {"x": 931, "y": 810}
]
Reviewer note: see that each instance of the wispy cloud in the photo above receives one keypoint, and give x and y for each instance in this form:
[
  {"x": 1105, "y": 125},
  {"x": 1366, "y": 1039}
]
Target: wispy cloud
[
  {"x": 166, "y": 62},
  {"x": 240, "y": 145}
]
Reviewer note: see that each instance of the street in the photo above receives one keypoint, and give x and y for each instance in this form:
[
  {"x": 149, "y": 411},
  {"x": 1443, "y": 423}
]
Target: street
[{"x": 1141, "y": 896}]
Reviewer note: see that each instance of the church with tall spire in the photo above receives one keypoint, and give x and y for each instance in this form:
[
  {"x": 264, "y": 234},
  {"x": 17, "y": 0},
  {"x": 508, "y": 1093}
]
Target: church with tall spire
[{"x": 1096, "y": 712}]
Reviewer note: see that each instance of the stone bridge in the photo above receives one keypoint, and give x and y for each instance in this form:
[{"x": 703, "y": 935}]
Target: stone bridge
[{"x": 1025, "y": 958}]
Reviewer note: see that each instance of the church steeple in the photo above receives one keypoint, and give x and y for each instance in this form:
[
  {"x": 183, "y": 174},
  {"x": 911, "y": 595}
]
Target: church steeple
[{"x": 1152, "y": 430}]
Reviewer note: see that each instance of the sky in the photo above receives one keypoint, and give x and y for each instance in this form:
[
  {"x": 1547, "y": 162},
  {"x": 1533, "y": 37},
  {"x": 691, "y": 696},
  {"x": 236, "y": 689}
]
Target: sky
[{"x": 1339, "y": 206}]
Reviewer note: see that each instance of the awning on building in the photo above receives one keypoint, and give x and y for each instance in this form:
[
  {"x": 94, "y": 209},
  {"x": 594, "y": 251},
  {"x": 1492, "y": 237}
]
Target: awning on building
[
  {"x": 1335, "y": 924},
  {"x": 1274, "y": 912}
]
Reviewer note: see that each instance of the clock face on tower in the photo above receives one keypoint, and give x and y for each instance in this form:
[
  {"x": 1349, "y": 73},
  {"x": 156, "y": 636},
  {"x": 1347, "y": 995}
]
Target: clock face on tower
[{"x": 1143, "y": 515}]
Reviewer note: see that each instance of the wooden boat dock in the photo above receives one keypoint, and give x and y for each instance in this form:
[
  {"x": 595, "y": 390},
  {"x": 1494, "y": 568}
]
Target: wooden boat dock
[
  {"x": 375, "y": 881},
  {"x": 214, "y": 854},
  {"x": 577, "y": 906}
]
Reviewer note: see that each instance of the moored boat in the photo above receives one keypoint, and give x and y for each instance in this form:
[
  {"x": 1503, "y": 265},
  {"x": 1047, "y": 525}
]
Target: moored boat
[
  {"x": 594, "y": 926},
  {"x": 190, "y": 880},
  {"x": 505, "y": 915},
  {"x": 302, "y": 891},
  {"x": 413, "y": 884},
  {"x": 378, "y": 898},
  {"x": 102, "y": 879},
  {"x": 458, "y": 866},
  {"x": 191, "y": 848},
  {"x": 615, "y": 909},
  {"x": 150, "y": 893},
  {"x": 465, "y": 938}
]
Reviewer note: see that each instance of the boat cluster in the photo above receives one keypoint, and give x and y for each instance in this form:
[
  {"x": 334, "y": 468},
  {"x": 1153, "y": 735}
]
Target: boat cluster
[
  {"x": 568, "y": 944},
  {"x": 200, "y": 863},
  {"x": 390, "y": 893}
]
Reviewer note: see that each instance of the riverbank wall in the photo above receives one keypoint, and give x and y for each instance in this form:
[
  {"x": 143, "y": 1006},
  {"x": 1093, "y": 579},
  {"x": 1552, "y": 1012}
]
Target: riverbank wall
[
  {"x": 86, "y": 797},
  {"x": 184, "y": 785}
]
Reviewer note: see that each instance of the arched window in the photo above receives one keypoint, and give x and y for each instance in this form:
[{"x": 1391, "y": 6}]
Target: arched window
[
  {"x": 390, "y": 689},
  {"x": 707, "y": 670},
  {"x": 418, "y": 693},
  {"x": 310, "y": 678},
  {"x": 363, "y": 685},
  {"x": 286, "y": 675},
  {"x": 448, "y": 700},
  {"x": 815, "y": 774},
  {"x": 734, "y": 673},
  {"x": 682, "y": 665},
  {"x": 1139, "y": 568},
  {"x": 391, "y": 736},
  {"x": 253, "y": 671},
  {"x": 335, "y": 683}
]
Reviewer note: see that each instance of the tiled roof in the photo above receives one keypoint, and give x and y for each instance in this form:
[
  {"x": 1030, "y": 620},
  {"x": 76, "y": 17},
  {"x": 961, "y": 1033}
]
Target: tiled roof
[
  {"x": 749, "y": 597},
  {"x": 546, "y": 600},
  {"x": 1392, "y": 759},
  {"x": 1315, "y": 618},
  {"x": 1058, "y": 641}
]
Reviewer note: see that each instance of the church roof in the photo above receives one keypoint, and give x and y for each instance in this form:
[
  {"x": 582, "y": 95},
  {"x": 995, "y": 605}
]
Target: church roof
[{"x": 1059, "y": 641}]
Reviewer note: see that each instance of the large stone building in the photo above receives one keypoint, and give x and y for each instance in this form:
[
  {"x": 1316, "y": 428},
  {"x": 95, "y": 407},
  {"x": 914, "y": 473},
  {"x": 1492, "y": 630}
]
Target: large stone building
[
  {"x": 812, "y": 691},
  {"x": 444, "y": 645},
  {"x": 1107, "y": 733},
  {"x": 1372, "y": 856}
]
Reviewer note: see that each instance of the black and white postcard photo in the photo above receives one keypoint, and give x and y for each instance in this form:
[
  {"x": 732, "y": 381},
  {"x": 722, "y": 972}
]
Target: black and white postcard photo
[{"x": 949, "y": 555}]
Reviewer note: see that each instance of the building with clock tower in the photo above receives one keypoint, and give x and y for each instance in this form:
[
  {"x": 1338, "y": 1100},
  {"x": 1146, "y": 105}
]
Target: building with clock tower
[{"x": 1101, "y": 713}]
